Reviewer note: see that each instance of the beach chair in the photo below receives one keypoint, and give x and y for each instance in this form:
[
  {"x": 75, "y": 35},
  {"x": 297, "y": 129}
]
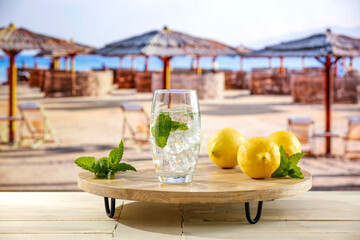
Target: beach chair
[
  {"x": 352, "y": 134},
  {"x": 36, "y": 123},
  {"x": 4, "y": 127},
  {"x": 303, "y": 129},
  {"x": 136, "y": 121}
]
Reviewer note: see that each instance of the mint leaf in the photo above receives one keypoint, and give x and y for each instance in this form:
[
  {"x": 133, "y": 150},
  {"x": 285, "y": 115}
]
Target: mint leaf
[
  {"x": 178, "y": 126},
  {"x": 288, "y": 166},
  {"x": 109, "y": 174},
  {"x": 124, "y": 167},
  {"x": 163, "y": 126},
  {"x": 102, "y": 175},
  {"x": 162, "y": 129},
  {"x": 281, "y": 171},
  {"x": 295, "y": 173},
  {"x": 86, "y": 163},
  {"x": 105, "y": 167},
  {"x": 295, "y": 158},
  {"x": 102, "y": 165},
  {"x": 117, "y": 153}
]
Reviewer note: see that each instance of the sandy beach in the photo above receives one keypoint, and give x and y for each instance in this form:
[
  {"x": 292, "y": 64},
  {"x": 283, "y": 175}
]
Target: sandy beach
[{"x": 92, "y": 126}]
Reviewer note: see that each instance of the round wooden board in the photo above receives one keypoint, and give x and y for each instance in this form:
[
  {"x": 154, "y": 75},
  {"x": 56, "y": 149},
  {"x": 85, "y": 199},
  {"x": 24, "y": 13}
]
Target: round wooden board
[{"x": 211, "y": 184}]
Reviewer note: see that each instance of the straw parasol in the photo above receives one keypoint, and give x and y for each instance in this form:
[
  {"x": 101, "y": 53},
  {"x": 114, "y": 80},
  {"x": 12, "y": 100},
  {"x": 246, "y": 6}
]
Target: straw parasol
[
  {"x": 12, "y": 41},
  {"x": 79, "y": 49},
  {"x": 327, "y": 48},
  {"x": 166, "y": 44}
]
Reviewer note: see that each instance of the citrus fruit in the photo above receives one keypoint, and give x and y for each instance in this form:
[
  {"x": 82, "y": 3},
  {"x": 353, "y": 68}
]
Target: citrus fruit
[
  {"x": 223, "y": 147},
  {"x": 288, "y": 140},
  {"x": 258, "y": 157}
]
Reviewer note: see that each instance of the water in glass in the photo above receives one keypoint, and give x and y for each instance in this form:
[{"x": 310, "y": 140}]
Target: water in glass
[{"x": 176, "y": 161}]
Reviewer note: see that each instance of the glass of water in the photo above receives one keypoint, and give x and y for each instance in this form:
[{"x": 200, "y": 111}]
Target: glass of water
[{"x": 175, "y": 134}]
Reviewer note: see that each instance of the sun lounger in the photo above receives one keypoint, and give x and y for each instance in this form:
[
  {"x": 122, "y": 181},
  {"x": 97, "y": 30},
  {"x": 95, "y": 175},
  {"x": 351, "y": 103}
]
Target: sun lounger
[
  {"x": 4, "y": 126},
  {"x": 136, "y": 121},
  {"x": 37, "y": 124},
  {"x": 352, "y": 134},
  {"x": 303, "y": 128}
]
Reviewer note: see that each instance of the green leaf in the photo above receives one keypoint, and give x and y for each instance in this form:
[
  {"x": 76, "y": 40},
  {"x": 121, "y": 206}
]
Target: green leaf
[
  {"x": 122, "y": 167},
  {"x": 117, "y": 153},
  {"x": 101, "y": 175},
  {"x": 178, "y": 126},
  {"x": 281, "y": 171},
  {"x": 288, "y": 166},
  {"x": 109, "y": 174},
  {"x": 86, "y": 163},
  {"x": 106, "y": 167},
  {"x": 295, "y": 173},
  {"x": 162, "y": 129},
  {"x": 102, "y": 165},
  {"x": 295, "y": 158},
  {"x": 163, "y": 126}
]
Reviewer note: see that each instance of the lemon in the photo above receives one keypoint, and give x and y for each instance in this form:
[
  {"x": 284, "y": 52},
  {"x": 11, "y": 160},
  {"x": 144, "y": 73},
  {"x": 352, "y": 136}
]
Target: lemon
[
  {"x": 258, "y": 157},
  {"x": 288, "y": 140},
  {"x": 223, "y": 147}
]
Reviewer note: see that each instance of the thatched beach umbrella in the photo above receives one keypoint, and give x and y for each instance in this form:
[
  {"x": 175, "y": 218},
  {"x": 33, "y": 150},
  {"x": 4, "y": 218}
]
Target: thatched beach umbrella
[
  {"x": 79, "y": 49},
  {"x": 166, "y": 44},
  {"x": 327, "y": 48},
  {"x": 12, "y": 41}
]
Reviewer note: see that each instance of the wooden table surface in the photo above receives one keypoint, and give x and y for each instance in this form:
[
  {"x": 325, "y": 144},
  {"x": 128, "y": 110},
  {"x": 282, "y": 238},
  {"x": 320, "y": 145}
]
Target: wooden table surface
[{"x": 79, "y": 215}]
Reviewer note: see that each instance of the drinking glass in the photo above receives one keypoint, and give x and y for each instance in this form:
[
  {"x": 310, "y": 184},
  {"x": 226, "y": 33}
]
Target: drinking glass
[{"x": 175, "y": 134}]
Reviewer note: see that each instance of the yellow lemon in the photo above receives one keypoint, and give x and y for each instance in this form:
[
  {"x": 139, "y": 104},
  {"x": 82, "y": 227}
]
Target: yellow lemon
[
  {"x": 258, "y": 157},
  {"x": 288, "y": 140},
  {"x": 223, "y": 147}
]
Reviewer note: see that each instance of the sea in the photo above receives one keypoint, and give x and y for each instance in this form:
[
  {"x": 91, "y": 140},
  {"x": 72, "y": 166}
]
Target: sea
[{"x": 85, "y": 63}]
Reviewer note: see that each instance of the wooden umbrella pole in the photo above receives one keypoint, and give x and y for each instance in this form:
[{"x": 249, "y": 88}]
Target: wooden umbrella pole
[
  {"x": 166, "y": 72},
  {"x": 73, "y": 76},
  {"x": 146, "y": 63},
  {"x": 12, "y": 80},
  {"x": 66, "y": 64},
  {"x": 198, "y": 69},
  {"x": 121, "y": 63},
  {"x": 270, "y": 63},
  {"x": 72, "y": 63},
  {"x": 303, "y": 64},
  {"x": 241, "y": 63},
  {"x": 328, "y": 100},
  {"x": 132, "y": 63},
  {"x": 282, "y": 65},
  {"x": 214, "y": 67}
]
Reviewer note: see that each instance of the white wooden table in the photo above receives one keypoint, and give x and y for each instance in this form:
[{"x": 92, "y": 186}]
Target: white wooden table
[{"x": 78, "y": 215}]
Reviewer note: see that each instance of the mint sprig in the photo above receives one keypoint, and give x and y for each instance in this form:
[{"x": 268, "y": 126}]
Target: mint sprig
[
  {"x": 163, "y": 126},
  {"x": 288, "y": 166},
  {"x": 106, "y": 167}
]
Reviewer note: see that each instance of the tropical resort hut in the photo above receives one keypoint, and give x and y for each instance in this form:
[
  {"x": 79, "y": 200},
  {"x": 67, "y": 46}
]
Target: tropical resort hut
[
  {"x": 327, "y": 48},
  {"x": 12, "y": 41},
  {"x": 165, "y": 44}
]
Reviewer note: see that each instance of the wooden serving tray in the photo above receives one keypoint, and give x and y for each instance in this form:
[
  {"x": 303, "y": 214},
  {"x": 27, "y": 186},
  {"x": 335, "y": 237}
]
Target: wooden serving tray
[{"x": 211, "y": 184}]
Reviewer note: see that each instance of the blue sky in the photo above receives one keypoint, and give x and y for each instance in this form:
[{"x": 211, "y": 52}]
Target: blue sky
[{"x": 253, "y": 23}]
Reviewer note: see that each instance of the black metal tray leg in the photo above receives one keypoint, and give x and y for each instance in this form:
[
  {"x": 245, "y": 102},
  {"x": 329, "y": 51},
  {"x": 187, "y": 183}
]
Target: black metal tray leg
[
  {"x": 258, "y": 214},
  {"x": 109, "y": 212}
]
